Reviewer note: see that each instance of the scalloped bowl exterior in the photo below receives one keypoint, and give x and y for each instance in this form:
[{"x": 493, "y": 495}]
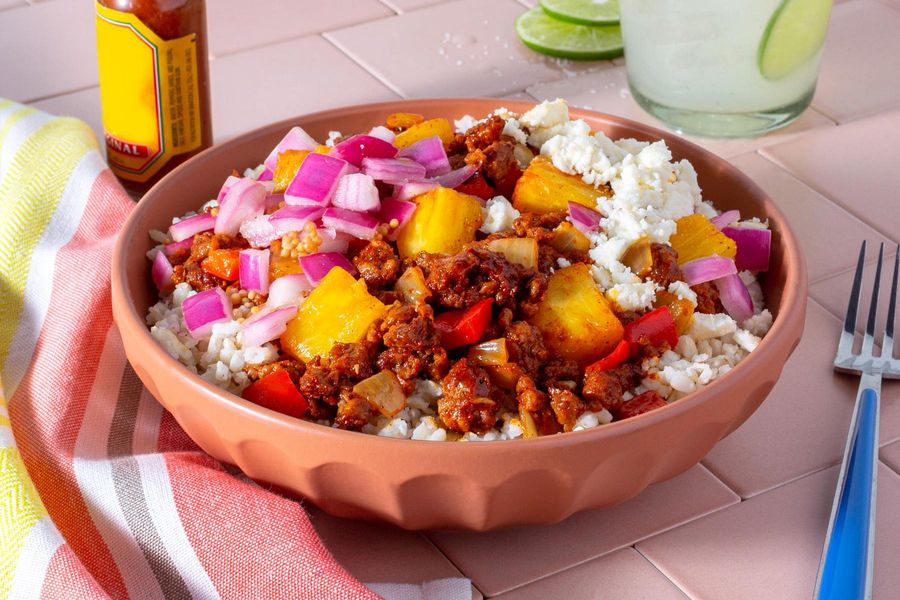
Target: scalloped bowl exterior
[{"x": 475, "y": 486}]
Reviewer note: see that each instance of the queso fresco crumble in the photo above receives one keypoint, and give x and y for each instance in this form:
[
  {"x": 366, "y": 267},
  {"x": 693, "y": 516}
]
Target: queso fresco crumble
[{"x": 491, "y": 278}]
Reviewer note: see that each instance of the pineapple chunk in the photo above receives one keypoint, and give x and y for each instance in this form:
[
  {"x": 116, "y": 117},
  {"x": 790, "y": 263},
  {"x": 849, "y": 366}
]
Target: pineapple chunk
[
  {"x": 286, "y": 167},
  {"x": 425, "y": 129},
  {"x": 575, "y": 319},
  {"x": 696, "y": 237},
  {"x": 443, "y": 222},
  {"x": 543, "y": 188},
  {"x": 403, "y": 120},
  {"x": 340, "y": 309}
]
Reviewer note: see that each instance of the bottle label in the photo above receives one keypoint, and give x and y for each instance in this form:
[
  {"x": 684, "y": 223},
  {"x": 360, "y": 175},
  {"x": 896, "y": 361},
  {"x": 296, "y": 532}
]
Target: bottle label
[{"x": 149, "y": 95}]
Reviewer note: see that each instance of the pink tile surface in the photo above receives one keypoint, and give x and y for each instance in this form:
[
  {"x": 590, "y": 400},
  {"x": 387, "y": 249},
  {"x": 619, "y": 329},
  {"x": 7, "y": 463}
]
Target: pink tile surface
[
  {"x": 769, "y": 546},
  {"x": 890, "y": 455},
  {"x": 860, "y": 72},
  {"x": 855, "y": 165},
  {"x": 606, "y": 90},
  {"x": 502, "y": 560},
  {"x": 236, "y": 25},
  {"x": 834, "y": 292},
  {"x": 378, "y": 553},
  {"x": 462, "y": 48},
  {"x": 4, "y": 4},
  {"x": 622, "y": 575},
  {"x": 809, "y": 214},
  {"x": 47, "y": 49},
  {"x": 402, "y": 6},
  {"x": 802, "y": 425},
  {"x": 282, "y": 89}
]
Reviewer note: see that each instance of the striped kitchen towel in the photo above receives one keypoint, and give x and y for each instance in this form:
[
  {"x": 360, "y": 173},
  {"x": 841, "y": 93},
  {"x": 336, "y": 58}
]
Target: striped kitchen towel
[{"x": 103, "y": 495}]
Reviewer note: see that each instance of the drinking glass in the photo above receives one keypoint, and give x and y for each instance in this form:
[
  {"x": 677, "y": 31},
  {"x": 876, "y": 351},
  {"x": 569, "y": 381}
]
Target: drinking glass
[{"x": 724, "y": 68}]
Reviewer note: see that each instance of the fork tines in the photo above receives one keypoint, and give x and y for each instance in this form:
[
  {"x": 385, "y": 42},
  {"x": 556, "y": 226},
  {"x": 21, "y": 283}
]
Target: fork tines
[{"x": 866, "y": 361}]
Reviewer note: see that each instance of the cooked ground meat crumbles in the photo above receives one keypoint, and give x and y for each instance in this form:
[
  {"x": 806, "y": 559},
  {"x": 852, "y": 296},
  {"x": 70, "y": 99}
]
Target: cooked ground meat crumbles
[{"x": 486, "y": 311}]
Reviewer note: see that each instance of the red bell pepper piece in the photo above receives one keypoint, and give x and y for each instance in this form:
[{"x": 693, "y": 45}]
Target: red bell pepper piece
[
  {"x": 277, "y": 392},
  {"x": 477, "y": 186},
  {"x": 653, "y": 329},
  {"x": 618, "y": 356},
  {"x": 638, "y": 405},
  {"x": 463, "y": 327},
  {"x": 224, "y": 264}
]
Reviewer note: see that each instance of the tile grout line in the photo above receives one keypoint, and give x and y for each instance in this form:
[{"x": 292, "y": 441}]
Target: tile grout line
[
  {"x": 388, "y": 4},
  {"x": 630, "y": 544},
  {"x": 427, "y": 538},
  {"x": 57, "y": 95},
  {"x": 658, "y": 570},
  {"x": 325, "y": 35},
  {"x": 765, "y": 153}
]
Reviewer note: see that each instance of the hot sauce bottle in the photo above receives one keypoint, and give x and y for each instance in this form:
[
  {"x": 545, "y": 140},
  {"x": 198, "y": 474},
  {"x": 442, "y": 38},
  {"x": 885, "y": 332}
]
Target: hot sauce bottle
[{"x": 154, "y": 86}]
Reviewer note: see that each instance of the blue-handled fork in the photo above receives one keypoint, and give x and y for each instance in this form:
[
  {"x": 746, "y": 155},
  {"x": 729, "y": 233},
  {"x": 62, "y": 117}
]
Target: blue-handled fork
[{"x": 845, "y": 572}]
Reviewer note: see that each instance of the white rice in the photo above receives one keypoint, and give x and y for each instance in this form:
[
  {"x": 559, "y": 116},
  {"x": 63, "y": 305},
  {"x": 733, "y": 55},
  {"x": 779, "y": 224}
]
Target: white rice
[{"x": 649, "y": 193}]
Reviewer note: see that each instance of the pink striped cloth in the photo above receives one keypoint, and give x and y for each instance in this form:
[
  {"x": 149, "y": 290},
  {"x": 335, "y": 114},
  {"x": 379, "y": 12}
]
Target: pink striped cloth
[{"x": 104, "y": 495}]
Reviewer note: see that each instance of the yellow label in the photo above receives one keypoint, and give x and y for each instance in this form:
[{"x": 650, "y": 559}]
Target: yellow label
[{"x": 148, "y": 90}]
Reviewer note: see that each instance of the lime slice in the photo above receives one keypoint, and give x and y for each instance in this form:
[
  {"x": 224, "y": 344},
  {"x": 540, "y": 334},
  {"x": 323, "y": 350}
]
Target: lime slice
[
  {"x": 542, "y": 33},
  {"x": 794, "y": 34},
  {"x": 583, "y": 12}
]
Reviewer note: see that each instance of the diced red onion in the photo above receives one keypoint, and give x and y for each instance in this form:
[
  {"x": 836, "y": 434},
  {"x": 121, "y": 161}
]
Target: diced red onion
[
  {"x": 357, "y": 224},
  {"x": 726, "y": 218},
  {"x": 429, "y": 152},
  {"x": 269, "y": 186},
  {"x": 754, "y": 246},
  {"x": 584, "y": 219},
  {"x": 383, "y": 133},
  {"x": 203, "y": 310},
  {"x": 401, "y": 210},
  {"x": 266, "y": 175},
  {"x": 316, "y": 266},
  {"x": 245, "y": 200},
  {"x": 161, "y": 271},
  {"x": 174, "y": 247},
  {"x": 259, "y": 231},
  {"x": 333, "y": 241},
  {"x": 273, "y": 200},
  {"x": 254, "y": 270},
  {"x": 187, "y": 228},
  {"x": 357, "y": 191},
  {"x": 229, "y": 181},
  {"x": 456, "y": 178},
  {"x": 266, "y": 325},
  {"x": 393, "y": 170},
  {"x": 296, "y": 139},
  {"x": 355, "y": 148},
  {"x": 708, "y": 268},
  {"x": 735, "y": 297},
  {"x": 315, "y": 181},
  {"x": 411, "y": 189},
  {"x": 294, "y": 218},
  {"x": 288, "y": 289}
]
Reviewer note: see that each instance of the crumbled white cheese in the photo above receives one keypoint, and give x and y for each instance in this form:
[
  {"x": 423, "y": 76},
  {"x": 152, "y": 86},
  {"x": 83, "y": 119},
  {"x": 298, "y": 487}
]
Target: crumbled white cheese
[
  {"x": 633, "y": 296},
  {"x": 683, "y": 291},
  {"x": 705, "y": 326},
  {"x": 511, "y": 128},
  {"x": 758, "y": 324},
  {"x": 464, "y": 123},
  {"x": 333, "y": 136},
  {"x": 754, "y": 223},
  {"x": 746, "y": 340},
  {"x": 589, "y": 420},
  {"x": 756, "y": 293},
  {"x": 498, "y": 215}
]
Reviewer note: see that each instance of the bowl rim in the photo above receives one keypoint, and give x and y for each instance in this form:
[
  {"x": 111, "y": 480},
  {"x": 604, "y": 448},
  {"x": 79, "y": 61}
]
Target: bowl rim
[{"x": 792, "y": 305}]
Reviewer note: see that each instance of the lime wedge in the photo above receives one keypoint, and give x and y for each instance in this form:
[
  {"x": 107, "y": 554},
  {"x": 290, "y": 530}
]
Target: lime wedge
[
  {"x": 583, "y": 12},
  {"x": 542, "y": 33},
  {"x": 794, "y": 34}
]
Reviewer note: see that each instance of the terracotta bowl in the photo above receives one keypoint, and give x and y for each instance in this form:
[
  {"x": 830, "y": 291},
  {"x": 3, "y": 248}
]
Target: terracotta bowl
[{"x": 420, "y": 484}]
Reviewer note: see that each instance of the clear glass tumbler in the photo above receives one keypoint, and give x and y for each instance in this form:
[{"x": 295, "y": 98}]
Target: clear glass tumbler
[{"x": 724, "y": 68}]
